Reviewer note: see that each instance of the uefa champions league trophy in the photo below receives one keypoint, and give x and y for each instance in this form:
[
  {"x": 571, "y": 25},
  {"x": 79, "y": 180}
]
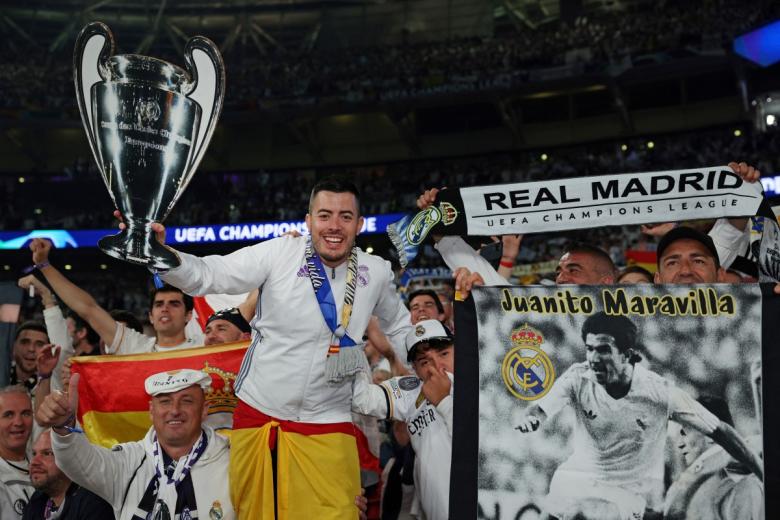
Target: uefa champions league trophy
[{"x": 148, "y": 123}]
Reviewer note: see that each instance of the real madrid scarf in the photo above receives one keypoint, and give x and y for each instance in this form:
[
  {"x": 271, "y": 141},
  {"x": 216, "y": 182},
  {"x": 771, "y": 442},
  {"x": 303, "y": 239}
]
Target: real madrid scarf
[
  {"x": 171, "y": 489},
  {"x": 344, "y": 358},
  {"x": 577, "y": 203}
]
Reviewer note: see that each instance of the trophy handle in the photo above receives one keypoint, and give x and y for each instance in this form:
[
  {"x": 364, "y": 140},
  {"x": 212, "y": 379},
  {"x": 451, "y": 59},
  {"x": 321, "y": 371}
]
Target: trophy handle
[
  {"x": 207, "y": 70},
  {"x": 94, "y": 45}
]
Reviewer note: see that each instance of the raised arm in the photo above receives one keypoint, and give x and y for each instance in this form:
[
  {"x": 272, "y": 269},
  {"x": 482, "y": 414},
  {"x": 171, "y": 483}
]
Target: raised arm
[
  {"x": 77, "y": 299},
  {"x": 102, "y": 471}
]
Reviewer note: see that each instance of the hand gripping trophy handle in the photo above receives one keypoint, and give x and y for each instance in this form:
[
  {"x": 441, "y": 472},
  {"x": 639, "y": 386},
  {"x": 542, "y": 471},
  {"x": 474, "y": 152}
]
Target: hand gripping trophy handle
[{"x": 148, "y": 123}]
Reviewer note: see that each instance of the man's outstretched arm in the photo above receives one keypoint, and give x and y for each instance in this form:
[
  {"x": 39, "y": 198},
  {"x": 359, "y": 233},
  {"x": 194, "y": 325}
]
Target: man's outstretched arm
[{"x": 76, "y": 298}]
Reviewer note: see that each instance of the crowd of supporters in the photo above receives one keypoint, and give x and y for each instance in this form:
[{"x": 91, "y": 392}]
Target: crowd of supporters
[{"x": 606, "y": 41}]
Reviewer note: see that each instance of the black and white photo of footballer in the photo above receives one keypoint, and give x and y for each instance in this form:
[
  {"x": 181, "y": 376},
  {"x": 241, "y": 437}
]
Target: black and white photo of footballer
[{"x": 627, "y": 420}]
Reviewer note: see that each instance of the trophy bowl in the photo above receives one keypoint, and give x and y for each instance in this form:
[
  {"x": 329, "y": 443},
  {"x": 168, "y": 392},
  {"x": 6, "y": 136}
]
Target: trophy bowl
[{"x": 148, "y": 123}]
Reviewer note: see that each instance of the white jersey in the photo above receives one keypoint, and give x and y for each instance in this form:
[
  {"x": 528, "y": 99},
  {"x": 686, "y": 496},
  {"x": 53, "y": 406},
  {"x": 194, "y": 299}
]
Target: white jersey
[
  {"x": 129, "y": 341},
  {"x": 15, "y": 488},
  {"x": 430, "y": 429},
  {"x": 283, "y": 373},
  {"x": 457, "y": 253},
  {"x": 620, "y": 442}
]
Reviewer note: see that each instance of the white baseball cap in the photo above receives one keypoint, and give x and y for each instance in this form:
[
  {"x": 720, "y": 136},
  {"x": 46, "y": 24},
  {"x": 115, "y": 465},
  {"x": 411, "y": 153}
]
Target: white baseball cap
[
  {"x": 175, "y": 380},
  {"x": 426, "y": 331}
]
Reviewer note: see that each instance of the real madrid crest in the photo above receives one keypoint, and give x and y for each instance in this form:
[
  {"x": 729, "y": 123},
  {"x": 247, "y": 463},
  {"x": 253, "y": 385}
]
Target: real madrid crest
[
  {"x": 527, "y": 370},
  {"x": 216, "y": 513}
]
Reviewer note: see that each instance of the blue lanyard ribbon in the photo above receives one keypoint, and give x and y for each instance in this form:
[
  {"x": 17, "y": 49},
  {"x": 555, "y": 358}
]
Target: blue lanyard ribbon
[{"x": 324, "y": 294}]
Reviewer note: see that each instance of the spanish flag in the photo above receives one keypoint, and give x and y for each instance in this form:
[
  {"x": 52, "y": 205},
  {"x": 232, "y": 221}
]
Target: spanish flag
[
  {"x": 646, "y": 259},
  {"x": 114, "y": 407}
]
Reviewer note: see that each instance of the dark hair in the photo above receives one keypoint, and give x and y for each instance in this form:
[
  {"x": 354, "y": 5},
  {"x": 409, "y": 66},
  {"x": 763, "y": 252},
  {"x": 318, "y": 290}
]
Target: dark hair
[
  {"x": 588, "y": 249},
  {"x": 32, "y": 325},
  {"x": 188, "y": 302},
  {"x": 619, "y": 327},
  {"x": 426, "y": 292},
  {"x": 718, "y": 406},
  {"x": 335, "y": 185},
  {"x": 128, "y": 318},
  {"x": 635, "y": 269},
  {"x": 432, "y": 344},
  {"x": 80, "y": 323}
]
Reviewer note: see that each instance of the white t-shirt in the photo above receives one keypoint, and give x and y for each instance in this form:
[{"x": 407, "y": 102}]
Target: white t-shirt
[
  {"x": 15, "y": 488},
  {"x": 430, "y": 429},
  {"x": 128, "y": 341},
  {"x": 621, "y": 442}
]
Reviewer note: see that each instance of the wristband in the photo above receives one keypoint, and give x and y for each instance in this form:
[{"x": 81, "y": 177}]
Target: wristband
[
  {"x": 66, "y": 426},
  {"x": 504, "y": 263},
  {"x": 43, "y": 376},
  {"x": 28, "y": 270}
]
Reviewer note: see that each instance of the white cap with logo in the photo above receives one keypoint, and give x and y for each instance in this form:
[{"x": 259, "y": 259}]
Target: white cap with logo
[
  {"x": 175, "y": 380},
  {"x": 426, "y": 331}
]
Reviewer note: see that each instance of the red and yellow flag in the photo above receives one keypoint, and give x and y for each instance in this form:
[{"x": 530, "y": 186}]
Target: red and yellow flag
[
  {"x": 646, "y": 259},
  {"x": 113, "y": 405}
]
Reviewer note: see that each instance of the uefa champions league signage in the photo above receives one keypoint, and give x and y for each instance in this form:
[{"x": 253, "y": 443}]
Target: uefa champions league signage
[{"x": 244, "y": 232}]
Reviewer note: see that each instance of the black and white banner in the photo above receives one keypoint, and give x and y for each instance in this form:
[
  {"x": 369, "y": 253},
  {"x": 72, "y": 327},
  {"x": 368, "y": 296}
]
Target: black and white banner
[
  {"x": 615, "y": 402},
  {"x": 629, "y": 198},
  {"x": 579, "y": 202}
]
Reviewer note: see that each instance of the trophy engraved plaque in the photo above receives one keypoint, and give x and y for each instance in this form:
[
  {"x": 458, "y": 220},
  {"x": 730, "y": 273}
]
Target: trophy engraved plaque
[{"x": 148, "y": 123}]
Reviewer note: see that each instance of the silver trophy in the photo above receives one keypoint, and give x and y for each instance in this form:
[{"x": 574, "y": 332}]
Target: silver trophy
[{"x": 148, "y": 123}]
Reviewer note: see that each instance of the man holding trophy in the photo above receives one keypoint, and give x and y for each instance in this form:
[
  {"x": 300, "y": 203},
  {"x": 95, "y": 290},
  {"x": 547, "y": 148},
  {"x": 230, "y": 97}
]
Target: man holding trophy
[
  {"x": 292, "y": 428},
  {"x": 293, "y": 447}
]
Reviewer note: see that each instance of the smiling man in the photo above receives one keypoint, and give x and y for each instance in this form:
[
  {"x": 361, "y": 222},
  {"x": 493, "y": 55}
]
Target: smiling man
[
  {"x": 622, "y": 411},
  {"x": 424, "y": 304},
  {"x": 16, "y": 418},
  {"x": 688, "y": 256},
  {"x": 179, "y": 469},
  {"x": 30, "y": 339},
  {"x": 295, "y": 385}
]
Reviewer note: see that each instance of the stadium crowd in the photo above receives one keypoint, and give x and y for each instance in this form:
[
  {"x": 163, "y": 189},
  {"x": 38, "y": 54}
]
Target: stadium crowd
[
  {"x": 174, "y": 470},
  {"x": 38, "y": 83}
]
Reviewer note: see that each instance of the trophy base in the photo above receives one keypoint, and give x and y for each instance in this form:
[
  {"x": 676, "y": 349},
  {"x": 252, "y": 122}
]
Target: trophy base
[{"x": 136, "y": 244}]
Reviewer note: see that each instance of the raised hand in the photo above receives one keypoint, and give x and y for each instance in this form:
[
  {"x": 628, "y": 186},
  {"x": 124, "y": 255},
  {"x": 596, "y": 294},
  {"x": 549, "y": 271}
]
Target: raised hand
[
  {"x": 40, "y": 248},
  {"x": 437, "y": 387},
  {"x": 427, "y": 198},
  {"x": 47, "y": 358},
  {"x": 59, "y": 408},
  {"x": 464, "y": 281},
  {"x": 748, "y": 173}
]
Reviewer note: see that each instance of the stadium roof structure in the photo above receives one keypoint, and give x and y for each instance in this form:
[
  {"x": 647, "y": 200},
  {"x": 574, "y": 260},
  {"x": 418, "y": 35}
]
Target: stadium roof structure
[{"x": 163, "y": 26}]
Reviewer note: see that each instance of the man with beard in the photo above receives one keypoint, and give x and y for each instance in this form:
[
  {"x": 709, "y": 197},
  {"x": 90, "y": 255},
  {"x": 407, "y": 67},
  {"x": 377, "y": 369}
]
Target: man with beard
[
  {"x": 293, "y": 437},
  {"x": 56, "y": 496},
  {"x": 622, "y": 411},
  {"x": 16, "y": 420}
]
